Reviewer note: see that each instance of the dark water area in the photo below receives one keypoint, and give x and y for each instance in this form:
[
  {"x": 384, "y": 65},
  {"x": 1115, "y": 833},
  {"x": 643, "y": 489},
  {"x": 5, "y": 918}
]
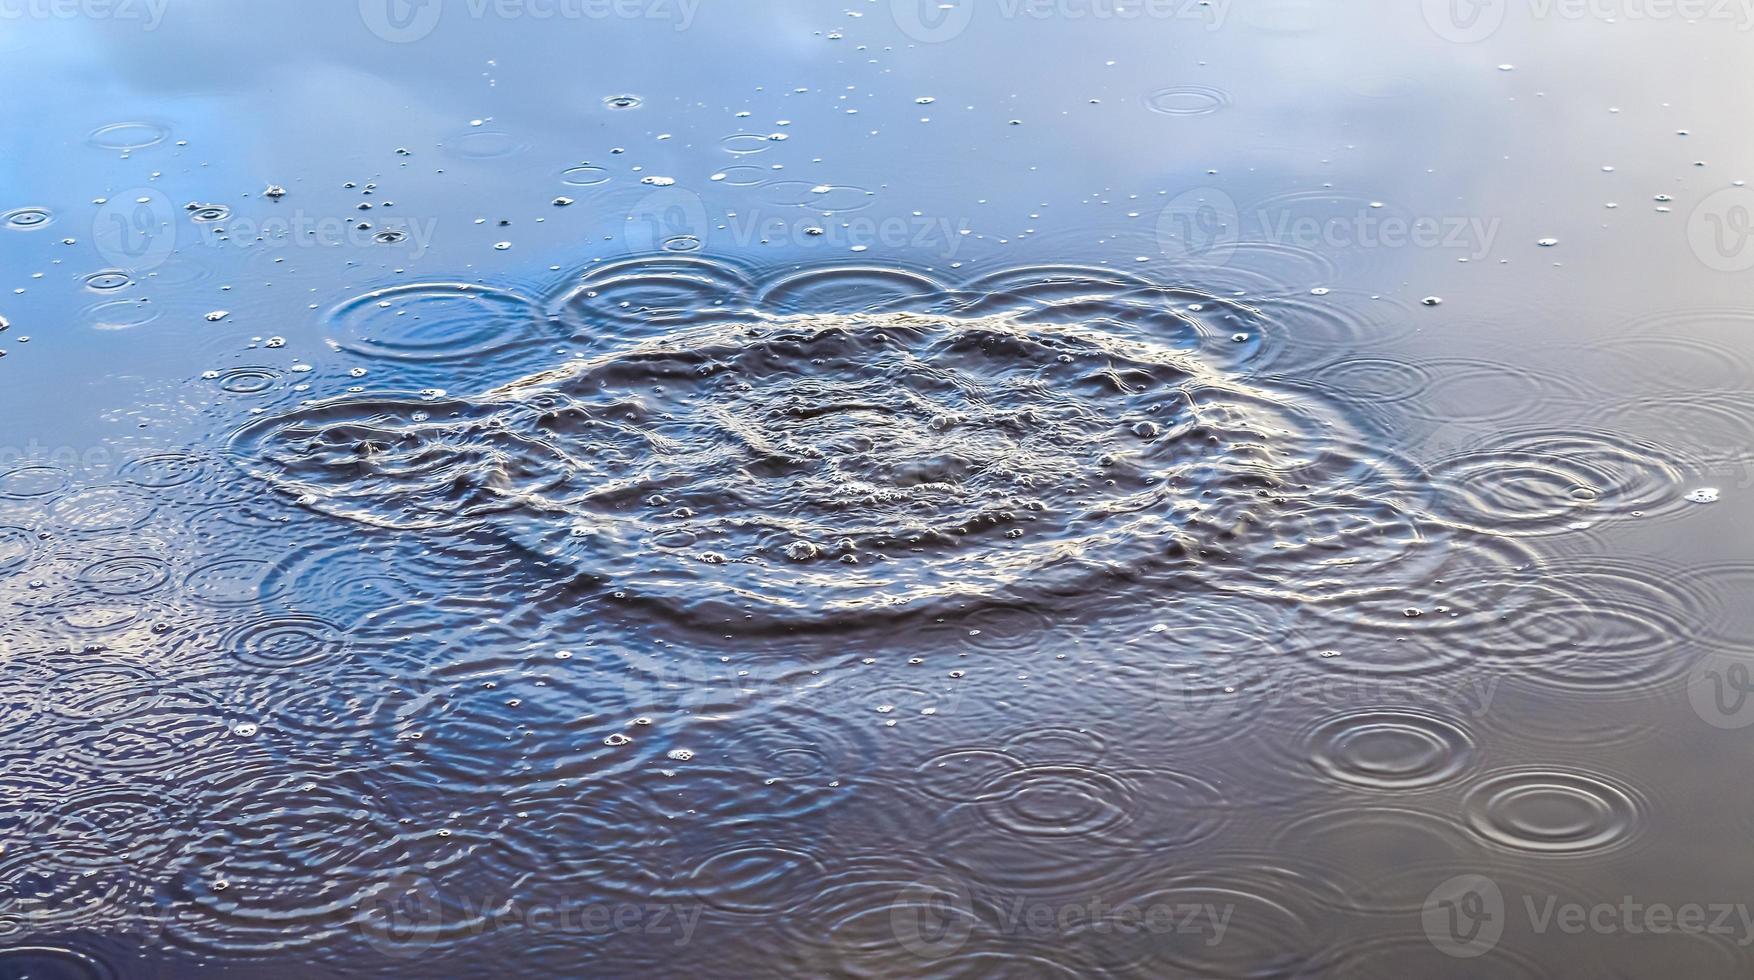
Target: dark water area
[{"x": 1253, "y": 488}]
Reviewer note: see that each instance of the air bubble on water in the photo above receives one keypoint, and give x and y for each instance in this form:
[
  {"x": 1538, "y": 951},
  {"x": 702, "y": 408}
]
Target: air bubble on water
[
  {"x": 617, "y": 739},
  {"x": 218, "y": 315},
  {"x": 563, "y": 202},
  {"x": 1547, "y": 242},
  {"x": 1704, "y": 495},
  {"x": 275, "y": 342},
  {"x": 924, "y": 100},
  {"x": 1432, "y": 301},
  {"x": 244, "y": 729},
  {"x": 1320, "y": 291},
  {"x": 502, "y": 246},
  {"x": 657, "y": 181},
  {"x": 274, "y": 192},
  {"x": 680, "y": 755}
]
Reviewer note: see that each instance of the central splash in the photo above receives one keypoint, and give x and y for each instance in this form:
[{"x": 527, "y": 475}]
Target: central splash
[{"x": 822, "y": 468}]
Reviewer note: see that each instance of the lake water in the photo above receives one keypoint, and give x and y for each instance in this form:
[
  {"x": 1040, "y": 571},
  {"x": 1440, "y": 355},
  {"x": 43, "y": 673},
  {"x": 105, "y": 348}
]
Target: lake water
[{"x": 1247, "y": 488}]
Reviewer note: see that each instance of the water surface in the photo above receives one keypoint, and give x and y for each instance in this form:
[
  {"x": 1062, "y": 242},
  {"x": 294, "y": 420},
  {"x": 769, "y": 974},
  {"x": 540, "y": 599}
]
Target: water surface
[{"x": 1249, "y": 488}]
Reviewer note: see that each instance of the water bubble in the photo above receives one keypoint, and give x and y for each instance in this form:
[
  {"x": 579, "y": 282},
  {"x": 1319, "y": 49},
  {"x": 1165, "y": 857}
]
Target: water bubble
[
  {"x": 126, "y": 136},
  {"x": 104, "y": 282},
  {"x": 585, "y": 176},
  {"x": 28, "y": 218},
  {"x": 1187, "y": 100}
]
